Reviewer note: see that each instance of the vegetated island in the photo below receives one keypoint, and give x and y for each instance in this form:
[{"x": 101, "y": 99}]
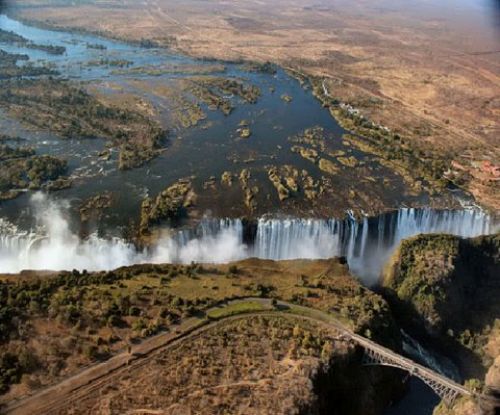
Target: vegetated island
[{"x": 13, "y": 38}]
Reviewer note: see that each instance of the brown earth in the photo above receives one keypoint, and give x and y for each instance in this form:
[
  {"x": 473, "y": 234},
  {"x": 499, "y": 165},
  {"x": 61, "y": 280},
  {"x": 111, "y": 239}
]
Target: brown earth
[
  {"x": 267, "y": 363},
  {"x": 428, "y": 71}
]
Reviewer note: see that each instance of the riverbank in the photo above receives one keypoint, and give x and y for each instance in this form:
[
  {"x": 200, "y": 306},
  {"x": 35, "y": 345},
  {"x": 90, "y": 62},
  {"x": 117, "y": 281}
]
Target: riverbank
[{"x": 358, "y": 63}]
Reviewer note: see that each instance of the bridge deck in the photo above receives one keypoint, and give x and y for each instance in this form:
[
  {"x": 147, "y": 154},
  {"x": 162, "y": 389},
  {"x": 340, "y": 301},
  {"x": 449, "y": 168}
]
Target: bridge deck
[{"x": 409, "y": 364}]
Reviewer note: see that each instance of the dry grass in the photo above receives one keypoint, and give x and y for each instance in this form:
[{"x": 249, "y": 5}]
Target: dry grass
[{"x": 259, "y": 365}]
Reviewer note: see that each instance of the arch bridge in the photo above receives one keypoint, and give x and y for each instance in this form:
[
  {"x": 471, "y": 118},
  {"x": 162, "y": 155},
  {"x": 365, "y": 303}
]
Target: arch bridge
[{"x": 375, "y": 354}]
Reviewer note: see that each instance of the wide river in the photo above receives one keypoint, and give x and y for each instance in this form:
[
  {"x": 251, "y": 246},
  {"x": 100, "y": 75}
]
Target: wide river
[{"x": 35, "y": 228}]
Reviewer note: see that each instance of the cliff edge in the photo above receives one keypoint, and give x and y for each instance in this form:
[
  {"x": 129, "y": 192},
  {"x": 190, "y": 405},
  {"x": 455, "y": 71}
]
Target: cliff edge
[{"x": 446, "y": 289}]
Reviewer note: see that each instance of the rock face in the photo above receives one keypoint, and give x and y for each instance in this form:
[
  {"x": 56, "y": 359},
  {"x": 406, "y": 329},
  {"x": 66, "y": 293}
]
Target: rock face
[
  {"x": 349, "y": 388},
  {"x": 450, "y": 287},
  {"x": 443, "y": 277}
]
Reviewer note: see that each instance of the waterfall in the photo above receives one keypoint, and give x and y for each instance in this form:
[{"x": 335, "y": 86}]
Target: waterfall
[
  {"x": 366, "y": 243},
  {"x": 295, "y": 238},
  {"x": 16, "y": 243},
  {"x": 279, "y": 239}
]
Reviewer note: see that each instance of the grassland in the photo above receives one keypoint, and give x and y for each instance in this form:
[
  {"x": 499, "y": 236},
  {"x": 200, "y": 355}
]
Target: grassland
[{"x": 235, "y": 309}]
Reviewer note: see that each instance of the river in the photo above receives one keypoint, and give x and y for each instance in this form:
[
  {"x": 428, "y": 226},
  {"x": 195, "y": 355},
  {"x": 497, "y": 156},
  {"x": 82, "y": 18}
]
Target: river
[{"x": 36, "y": 228}]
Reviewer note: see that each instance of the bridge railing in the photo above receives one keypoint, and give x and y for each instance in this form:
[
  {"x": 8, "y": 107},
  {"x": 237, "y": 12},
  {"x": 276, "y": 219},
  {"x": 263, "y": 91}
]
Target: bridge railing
[{"x": 408, "y": 364}]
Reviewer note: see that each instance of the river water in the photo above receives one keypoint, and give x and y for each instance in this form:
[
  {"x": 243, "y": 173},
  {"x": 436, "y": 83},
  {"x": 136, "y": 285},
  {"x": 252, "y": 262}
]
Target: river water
[
  {"x": 202, "y": 152},
  {"x": 36, "y": 228}
]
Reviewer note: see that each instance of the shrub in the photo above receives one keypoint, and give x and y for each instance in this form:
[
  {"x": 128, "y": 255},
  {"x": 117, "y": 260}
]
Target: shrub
[
  {"x": 139, "y": 325},
  {"x": 177, "y": 301},
  {"x": 114, "y": 321},
  {"x": 9, "y": 371},
  {"x": 90, "y": 351}
]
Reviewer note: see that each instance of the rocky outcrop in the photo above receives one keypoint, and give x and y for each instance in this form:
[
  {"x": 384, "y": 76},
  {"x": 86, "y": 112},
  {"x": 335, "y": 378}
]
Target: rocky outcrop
[
  {"x": 274, "y": 177},
  {"x": 250, "y": 192},
  {"x": 328, "y": 166},
  {"x": 244, "y": 129},
  {"x": 227, "y": 178},
  {"x": 307, "y": 153},
  {"x": 170, "y": 204}
]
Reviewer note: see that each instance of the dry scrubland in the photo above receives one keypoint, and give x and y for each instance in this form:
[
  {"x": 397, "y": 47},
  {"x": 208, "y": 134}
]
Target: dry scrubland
[
  {"x": 52, "y": 325},
  {"x": 426, "y": 72},
  {"x": 255, "y": 365}
]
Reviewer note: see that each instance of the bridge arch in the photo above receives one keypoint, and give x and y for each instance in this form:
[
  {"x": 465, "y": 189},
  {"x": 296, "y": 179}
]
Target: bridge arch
[{"x": 444, "y": 389}]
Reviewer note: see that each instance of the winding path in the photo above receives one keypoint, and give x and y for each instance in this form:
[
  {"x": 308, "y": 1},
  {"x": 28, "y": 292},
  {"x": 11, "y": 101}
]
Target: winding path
[{"x": 95, "y": 377}]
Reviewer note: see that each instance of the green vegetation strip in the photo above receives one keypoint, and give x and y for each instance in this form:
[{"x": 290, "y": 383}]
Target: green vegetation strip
[
  {"x": 235, "y": 309},
  {"x": 320, "y": 315}
]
